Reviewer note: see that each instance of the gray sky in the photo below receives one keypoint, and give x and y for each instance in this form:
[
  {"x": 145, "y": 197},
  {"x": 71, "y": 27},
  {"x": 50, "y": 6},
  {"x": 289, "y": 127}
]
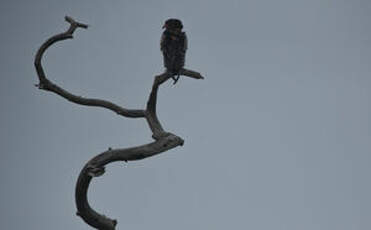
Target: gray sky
[{"x": 276, "y": 137}]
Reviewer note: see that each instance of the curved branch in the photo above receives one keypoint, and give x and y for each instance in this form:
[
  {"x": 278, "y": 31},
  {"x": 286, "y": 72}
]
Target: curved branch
[
  {"x": 96, "y": 166},
  {"x": 46, "y": 84}
]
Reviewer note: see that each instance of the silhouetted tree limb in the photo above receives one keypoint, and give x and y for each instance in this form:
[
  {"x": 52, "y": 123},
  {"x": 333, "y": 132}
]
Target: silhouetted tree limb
[
  {"x": 46, "y": 84},
  {"x": 96, "y": 166}
]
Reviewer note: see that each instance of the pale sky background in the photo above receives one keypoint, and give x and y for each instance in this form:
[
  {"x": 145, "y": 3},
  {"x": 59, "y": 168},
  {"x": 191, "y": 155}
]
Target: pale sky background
[{"x": 278, "y": 136}]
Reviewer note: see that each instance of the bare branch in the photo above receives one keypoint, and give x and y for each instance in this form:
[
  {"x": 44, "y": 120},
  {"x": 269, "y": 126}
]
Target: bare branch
[
  {"x": 191, "y": 73},
  {"x": 46, "y": 84},
  {"x": 96, "y": 166},
  {"x": 74, "y": 23}
]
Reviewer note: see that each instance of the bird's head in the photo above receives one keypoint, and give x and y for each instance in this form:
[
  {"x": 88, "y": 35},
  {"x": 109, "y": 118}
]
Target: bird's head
[{"x": 173, "y": 24}]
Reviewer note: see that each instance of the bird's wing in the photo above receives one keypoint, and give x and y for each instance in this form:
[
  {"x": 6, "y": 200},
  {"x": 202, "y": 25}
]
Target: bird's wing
[
  {"x": 162, "y": 42},
  {"x": 185, "y": 43}
]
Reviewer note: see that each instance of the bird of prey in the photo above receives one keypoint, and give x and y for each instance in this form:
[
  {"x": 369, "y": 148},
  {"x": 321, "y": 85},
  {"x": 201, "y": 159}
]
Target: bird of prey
[{"x": 173, "y": 46}]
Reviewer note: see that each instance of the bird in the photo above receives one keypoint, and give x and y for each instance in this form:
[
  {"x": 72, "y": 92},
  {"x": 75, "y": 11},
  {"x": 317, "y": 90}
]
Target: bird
[{"x": 173, "y": 45}]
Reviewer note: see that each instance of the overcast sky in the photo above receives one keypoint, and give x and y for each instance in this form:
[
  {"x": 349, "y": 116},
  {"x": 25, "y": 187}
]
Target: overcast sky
[{"x": 278, "y": 135}]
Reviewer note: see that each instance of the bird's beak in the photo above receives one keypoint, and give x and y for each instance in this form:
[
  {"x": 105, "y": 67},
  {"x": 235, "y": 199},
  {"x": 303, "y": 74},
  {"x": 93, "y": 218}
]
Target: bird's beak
[{"x": 164, "y": 26}]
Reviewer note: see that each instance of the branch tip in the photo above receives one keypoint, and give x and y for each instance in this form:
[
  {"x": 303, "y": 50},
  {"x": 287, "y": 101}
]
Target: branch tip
[{"x": 75, "y": 23}]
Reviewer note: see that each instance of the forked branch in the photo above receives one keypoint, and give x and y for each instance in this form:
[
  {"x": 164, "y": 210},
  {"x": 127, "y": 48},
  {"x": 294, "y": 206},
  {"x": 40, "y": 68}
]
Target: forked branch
[{"x": 96, "y": 166}]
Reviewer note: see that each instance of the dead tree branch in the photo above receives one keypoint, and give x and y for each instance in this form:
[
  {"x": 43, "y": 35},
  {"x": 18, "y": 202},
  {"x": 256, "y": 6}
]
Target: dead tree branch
[{"x": 96, "y": 166}]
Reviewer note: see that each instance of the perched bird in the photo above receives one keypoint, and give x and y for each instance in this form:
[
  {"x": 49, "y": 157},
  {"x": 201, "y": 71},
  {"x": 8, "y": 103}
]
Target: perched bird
[{"x": 173, "y": 46}]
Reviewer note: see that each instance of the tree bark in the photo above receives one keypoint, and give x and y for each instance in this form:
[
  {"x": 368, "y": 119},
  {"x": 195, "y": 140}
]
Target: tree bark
[{"x": 163, "y": 140}]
